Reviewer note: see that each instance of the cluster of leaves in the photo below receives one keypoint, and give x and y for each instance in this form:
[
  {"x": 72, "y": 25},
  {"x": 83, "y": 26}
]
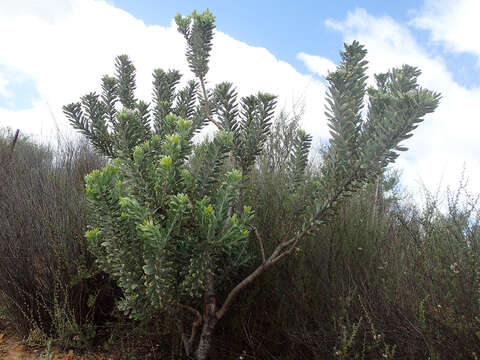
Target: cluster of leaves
[
  {"x": 156, "y": 238},
  {"x": 360, "y": 149}
]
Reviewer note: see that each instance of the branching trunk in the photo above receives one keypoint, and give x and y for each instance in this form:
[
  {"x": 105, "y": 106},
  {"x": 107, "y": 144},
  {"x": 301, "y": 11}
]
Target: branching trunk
[{"x": 212, "y": 315}]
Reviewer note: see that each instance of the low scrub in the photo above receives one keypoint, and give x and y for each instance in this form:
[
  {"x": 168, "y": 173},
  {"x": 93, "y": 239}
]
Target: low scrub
[
  {"x": 385, "y": 279},
  {"x": 46, "y": 286}
]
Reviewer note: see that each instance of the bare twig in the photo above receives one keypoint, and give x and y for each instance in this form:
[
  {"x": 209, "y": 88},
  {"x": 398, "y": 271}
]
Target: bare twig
[
  {"x": 189, "y": 309},
  {"x": 14, "y": 142},
  {"x": 260, "y": 242},
  {"x": 12, "y": 147}
]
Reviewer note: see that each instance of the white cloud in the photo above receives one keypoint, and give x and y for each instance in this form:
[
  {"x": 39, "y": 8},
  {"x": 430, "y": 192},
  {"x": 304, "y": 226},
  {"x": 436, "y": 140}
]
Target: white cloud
[
  {"x": 317, "y": 64},
  {"x": 452, "y": 23},
  {"x": 448, "y": 138},
  {"x": 41, "y": 122},
  {"x": 65, "y": 46},
  {"x": 3, "y": 87},
  {"x": 254, "y": 69},
  {"x": 50, "y": 10},
  {"x": 67, "y": 52}
]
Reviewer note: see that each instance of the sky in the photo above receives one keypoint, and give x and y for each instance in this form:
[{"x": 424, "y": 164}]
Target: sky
[{"x": 54, "y": 51}]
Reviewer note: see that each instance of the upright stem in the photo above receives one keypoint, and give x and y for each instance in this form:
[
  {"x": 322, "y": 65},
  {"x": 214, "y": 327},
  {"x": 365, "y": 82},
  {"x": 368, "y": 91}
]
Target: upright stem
[
  {"x": 12, "y": 147},
  {"x": 209, "y": 321},
  {"x": 375, "y": 200},
  {"x": 15, "y": 139},
  {"x": 188, "y": 341},
  {"x": 207, "y": 105}
]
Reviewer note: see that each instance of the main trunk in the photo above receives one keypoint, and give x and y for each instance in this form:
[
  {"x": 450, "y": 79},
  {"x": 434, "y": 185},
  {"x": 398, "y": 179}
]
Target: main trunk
[
  {"x": 206, "y": 338},
  {"x": 209, "y": 321}
]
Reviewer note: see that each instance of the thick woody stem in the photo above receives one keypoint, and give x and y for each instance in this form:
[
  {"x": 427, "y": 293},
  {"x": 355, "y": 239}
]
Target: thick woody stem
[{"x": 209, "y": 321}]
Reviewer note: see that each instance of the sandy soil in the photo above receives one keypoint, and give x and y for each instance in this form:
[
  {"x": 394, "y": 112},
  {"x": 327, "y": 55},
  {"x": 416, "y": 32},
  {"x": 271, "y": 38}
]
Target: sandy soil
[{"x": 12, "y": 347}]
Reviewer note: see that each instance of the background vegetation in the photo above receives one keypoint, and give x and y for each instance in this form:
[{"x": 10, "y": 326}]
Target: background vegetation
[{"x": 386, "y": 279}]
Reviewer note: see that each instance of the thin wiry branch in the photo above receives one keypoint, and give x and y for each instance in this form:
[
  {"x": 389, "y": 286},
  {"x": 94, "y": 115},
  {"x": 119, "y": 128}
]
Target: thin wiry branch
[{"x": 260, "y": 242}]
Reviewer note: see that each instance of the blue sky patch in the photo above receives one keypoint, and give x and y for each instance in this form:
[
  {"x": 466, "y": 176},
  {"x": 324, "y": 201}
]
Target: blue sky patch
[
  {"x": 288, "y": 28},
  {"x": 465, "y": 69},
  {"x": 19, "y": 92}
]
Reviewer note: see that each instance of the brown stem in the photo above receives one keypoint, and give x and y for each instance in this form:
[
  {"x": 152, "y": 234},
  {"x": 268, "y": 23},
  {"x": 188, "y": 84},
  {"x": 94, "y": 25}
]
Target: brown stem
[
  {"x": 260, "y": 242},
  {"x": 236, "y": 290},
  {"x": 375, "y": 200},
  {"x": 189, "y": 309},
  {"x": 280, "y": 252},
  {"x": 15, "y": 139},
  {"x": 188, "y": 342},
  {"x": 207, "y": 105},
  {"x": 272, "y": 260},
  {"x": 209, "y": 321},
  {"x": 12, "y": 147}
]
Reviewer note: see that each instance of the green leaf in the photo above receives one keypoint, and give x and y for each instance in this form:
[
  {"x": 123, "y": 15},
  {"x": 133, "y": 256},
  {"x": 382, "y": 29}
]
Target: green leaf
[{"x": 149, "y": 269}]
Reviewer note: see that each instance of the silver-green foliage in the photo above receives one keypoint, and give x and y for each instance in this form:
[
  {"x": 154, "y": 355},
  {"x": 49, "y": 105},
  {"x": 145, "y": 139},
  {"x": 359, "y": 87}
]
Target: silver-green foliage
[
  {"x": 162, "y": 228},
  {"x": 159, "y": 226},
  {"x": 362, "y": 147}
]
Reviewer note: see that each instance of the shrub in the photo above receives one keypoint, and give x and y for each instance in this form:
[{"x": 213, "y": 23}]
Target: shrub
[
  {"x": 171, "y": 234},
  {"x": 45, "y": 283}
]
